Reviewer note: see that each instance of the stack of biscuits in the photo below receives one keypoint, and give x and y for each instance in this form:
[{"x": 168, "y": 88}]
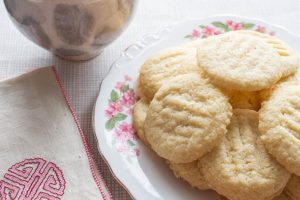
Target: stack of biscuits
[{"x": 224, "y": 112}]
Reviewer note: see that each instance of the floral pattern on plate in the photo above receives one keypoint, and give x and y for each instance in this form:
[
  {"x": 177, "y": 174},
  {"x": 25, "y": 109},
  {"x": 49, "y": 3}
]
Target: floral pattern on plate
[
  {"x": 218, "y": 27},
  {"x": 120, "y": 106}
]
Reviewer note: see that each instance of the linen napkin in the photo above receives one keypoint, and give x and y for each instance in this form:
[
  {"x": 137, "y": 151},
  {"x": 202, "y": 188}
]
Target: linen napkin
[{"x": 43, "y": 152}]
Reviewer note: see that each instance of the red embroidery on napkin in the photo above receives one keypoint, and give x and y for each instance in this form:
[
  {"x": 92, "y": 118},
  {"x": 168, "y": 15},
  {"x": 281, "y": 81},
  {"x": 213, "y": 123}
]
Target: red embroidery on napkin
[{"x": 33, "y": 179}]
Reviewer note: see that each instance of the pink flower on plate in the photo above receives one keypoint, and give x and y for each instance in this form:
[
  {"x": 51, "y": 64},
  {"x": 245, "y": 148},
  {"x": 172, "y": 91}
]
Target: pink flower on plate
[
  {"x": 126, "y": 128},
  {"x": 136, "y": 152},
  {"x": 210, "y": 31},
  {"x": 113, "y": 109},
  {"x": 129, "y": 111},
  {"x": 119, "y": 85},
  {"x": 129, "y": 98},
  {"x": 127, "y": 78},
  {"x": 234, "y": 26},
  {"x": 125, "y": 132},
  {"x": 196, "y": 34},
  {"x": 272, "y": 33},
  {"x": 261, "y": 29},
  {"x": 122, "y": 148}
]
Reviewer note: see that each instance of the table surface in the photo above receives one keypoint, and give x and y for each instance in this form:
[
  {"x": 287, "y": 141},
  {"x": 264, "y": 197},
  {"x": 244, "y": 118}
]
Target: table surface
[{"x": 82, "y": 80}]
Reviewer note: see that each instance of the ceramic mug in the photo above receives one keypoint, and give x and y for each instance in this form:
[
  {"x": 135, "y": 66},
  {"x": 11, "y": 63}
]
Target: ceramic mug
[{"x": 72, "y": 29}]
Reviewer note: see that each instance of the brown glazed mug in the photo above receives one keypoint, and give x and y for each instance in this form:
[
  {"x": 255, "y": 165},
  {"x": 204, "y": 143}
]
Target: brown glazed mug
[{"x": 72, "y": 29}]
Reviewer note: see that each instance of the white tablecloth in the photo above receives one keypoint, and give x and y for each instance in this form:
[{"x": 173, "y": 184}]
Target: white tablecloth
[{"x": 82, "y": 80}]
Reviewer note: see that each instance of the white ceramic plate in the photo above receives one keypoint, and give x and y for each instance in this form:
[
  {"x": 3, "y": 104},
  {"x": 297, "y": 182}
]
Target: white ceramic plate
[{"x": 138, "y": 169}]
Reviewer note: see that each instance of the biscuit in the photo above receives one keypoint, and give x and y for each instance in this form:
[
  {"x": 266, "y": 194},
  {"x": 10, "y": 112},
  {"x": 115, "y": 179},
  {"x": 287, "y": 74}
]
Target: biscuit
[
  {"x": 191, "y": 173},
  {"x": 139, "y": 115},
  {"x": 265, "y": 94},
  {"x": 187, "y": 118},
  {"x": 240, "y": 167},
  {"x": 279, "y": 124},
  {"x": 293, "y": 188},
  {"x": 282, "y": 196},
  {"x": 293, "y": 77},
  {"x": 140, "y": 91},
  {"x": 240, "y": 62},
  {"x": 296, "y": 76},
  {"x": 243, "y": 100},
  {"x": 288, "y": 56},
  {"x": 166, "y": 64}
]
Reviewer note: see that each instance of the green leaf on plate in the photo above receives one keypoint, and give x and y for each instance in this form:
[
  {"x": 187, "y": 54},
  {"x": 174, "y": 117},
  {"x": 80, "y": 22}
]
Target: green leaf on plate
[
  {"x": 219, "y": 24},
  {"x": 120, "y": 117},
  {"x": 248, "y": 25},
  {"x": 110, "y": 124},
  {"x": 188, "y": 36},
  {"x": 227, "y": 29},
  {"x": 114, "y": 96},
  {"x": 125, "y": 88},
  {"x": 130, "y": 143},
  {"x": 201, "y": 26}
]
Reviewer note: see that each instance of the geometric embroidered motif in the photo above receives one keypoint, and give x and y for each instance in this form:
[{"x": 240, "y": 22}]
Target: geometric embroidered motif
[{"x": 33, "y": 179}]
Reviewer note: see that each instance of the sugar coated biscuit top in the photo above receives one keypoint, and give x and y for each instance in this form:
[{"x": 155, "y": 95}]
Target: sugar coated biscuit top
[
  {"x": 241, "y": 62},
  {"x": 187, "y": 118},
  {"x": 288, "y": 56},
  {"x": 191, "y": 173},
  {"x": 240, "y": 168},
  {"x": 279, "y": 124},
  {"x": 164, "y": 65}
]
